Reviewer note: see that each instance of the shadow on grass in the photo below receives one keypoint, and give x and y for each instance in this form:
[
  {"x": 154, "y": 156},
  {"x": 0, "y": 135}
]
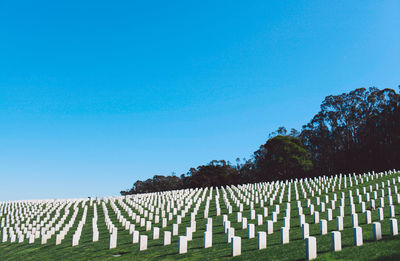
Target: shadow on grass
[{"x": 166, "y": 255}]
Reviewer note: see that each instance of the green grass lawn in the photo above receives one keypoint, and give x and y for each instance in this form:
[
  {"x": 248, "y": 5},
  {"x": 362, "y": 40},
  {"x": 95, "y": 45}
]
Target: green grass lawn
[{"x": 387, "y": 248}]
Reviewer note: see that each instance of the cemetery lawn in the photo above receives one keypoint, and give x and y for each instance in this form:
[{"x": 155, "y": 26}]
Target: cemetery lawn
[{"x": 388, "y": 248}]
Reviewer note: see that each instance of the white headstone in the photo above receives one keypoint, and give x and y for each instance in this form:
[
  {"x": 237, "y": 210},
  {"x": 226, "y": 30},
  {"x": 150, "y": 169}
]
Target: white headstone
[
  {"x": 274, "y": 216},
  {"x": 113, "y": 238},
  {"x": 207, "y": 239},
  {"x": 143, "y": 243},
  {"x": 336, "y": 240},
  {"x": 316, "y": 217},
  {"x": 182, "y": 246},
  {"x": 135, "y": 237},
  {"x": 286, "y": 222},
  {"x": 329, "y": 214},
  {"x": 244, "y": 223},
  {"x": 394, "y": 230},
  {"x": 31, "y": 239},
  {"x": 380, "y": 214},
  {"x": 392, "y": 211},
  {"x": 95, "y": 236},
  {"x": 368, "y": 219},
  {"x": 357, "y": 236},
  {"x": 148, "y": 225},
  {"x": 175, "y": 228},
  {"x": 323, "y": 227},
  {"x": 189, "y": 233},
  {"x": 311, "y": 248},
  {"x": 230, "y": 234},
  {"x": 252, "y": 214},
  {"x": 250, "y": 230},
  {"x": 156, "y": 233},
  {"x": 305, "y": 229},
  {"x": 236, "y": 247},
  {"x": 270, "y": 227},
  {"x": 259, "y": 220},
  {"x": 239, "y": 217},
  {"x": 167, "y": 238},
  {"x": 302, "y": 219},
  {"x": 265, "y": 212},
  {"x": 376, "y": 230},
  {"x": 261, "y": 240},
  {"x": 354, "y": 220},
  {"x": 339, "y": 223},
  {"x": 284, "y": 235}
]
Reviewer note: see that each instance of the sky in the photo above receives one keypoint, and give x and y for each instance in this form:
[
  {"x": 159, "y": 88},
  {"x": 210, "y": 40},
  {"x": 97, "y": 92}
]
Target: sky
[{"x": 95, "y": 95}]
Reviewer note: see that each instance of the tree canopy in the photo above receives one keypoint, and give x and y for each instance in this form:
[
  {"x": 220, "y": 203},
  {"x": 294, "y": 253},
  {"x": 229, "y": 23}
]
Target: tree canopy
[
  {"x": 282, "y": 157},
  {"x": 216, "y": 173},
  {"x": 353, "y": 132}
]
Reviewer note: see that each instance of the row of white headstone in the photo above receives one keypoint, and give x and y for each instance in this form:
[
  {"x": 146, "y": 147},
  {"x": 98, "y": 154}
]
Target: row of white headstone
[{"x": 147, "y": 209}]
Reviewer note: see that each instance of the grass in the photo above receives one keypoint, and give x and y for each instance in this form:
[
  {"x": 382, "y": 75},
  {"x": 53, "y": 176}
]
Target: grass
[{"x": 388, "y": 248}]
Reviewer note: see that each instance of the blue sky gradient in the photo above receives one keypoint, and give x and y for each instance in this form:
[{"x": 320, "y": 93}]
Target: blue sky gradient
[{"x": 97, "y": 94}]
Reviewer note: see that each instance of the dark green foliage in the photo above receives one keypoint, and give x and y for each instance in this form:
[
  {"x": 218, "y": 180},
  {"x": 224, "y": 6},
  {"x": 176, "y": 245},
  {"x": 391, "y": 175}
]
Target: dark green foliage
[
  {"x": 357, "y": 131},
  {"x": 158, "y": 183},
  {"x": 282, "y": 157},
  {"x": 216, "y": 173}
]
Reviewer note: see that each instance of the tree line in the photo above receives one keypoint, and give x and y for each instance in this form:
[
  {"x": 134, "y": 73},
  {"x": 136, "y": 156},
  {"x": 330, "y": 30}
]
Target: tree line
[{"x": 358, "y": 131}]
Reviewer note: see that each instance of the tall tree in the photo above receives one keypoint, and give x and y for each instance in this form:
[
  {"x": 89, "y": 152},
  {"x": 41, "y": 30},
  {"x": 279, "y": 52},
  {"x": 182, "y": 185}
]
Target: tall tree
[
  {"x": 216, "y": 173},
  {"x": 355, "y": 131},
  {"x": 282, "y": 157}
]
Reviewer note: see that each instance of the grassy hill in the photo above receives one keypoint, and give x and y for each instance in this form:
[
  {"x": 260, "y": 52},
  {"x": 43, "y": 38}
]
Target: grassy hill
[{"x": 387, "y": 248}]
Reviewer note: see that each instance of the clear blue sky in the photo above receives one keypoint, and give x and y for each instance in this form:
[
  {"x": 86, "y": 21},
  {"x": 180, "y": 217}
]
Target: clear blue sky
[{"x": 97, "y": 94}]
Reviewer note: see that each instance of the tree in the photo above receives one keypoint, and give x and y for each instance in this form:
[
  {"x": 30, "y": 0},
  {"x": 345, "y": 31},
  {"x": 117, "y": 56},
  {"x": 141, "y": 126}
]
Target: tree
[
  {"x": 157, "y": 183},
  {"x": 282, "y": 157},
  {"x": 355, "y": 131},
  {"x": 215, "y": 173}
]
